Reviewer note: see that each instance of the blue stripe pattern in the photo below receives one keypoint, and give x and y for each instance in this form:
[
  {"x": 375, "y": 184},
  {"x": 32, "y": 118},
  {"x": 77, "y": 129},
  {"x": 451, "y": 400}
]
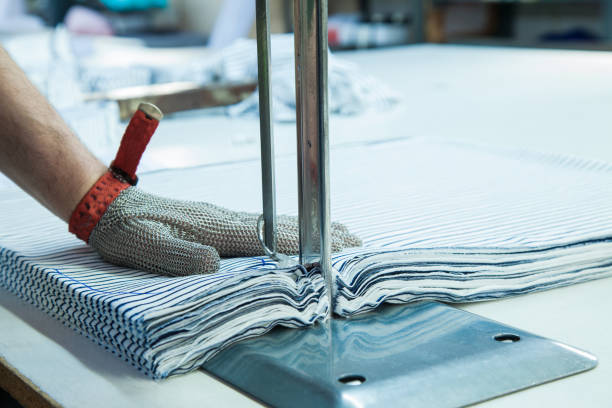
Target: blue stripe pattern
[{"x": 439, "y": 220}]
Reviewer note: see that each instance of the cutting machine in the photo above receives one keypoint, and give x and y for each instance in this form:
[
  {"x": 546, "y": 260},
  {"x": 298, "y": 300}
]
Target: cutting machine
[{"x": 419, "y": 355}]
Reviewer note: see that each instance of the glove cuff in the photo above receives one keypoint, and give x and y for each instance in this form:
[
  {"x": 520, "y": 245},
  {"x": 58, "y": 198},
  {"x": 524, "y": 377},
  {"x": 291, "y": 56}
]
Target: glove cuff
[
  {"x": 121, "y": 175},
  {"x": 94, "y": 204}
]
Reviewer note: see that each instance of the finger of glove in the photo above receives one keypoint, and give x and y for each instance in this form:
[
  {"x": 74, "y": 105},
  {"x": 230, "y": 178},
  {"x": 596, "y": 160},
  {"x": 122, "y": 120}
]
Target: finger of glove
[
  {"x": 342, "y": 238},
  {"x": 234, "y": 233},
  {"x": 231, "y": 233},
  {"x": 152, "y": 247},
  {"x": 288, "y": 236}
]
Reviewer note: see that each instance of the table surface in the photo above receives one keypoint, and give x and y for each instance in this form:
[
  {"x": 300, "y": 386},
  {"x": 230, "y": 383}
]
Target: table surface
[{"x": 555, "y": 101}]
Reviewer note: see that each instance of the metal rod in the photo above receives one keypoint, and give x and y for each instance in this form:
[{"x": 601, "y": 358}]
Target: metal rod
[
  {"x": 312, "y": 135},
  {"x": 265, "y": 123}
]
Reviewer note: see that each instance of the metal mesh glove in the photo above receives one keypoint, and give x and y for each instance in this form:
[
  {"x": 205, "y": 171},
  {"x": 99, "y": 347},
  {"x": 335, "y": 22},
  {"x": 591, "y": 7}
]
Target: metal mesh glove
[
  {"x": 178, "y": 238},
  {"x": 132, "y": 228}
]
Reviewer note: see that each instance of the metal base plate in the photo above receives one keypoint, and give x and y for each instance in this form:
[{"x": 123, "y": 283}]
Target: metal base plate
[{"x": 420, "y": 355}]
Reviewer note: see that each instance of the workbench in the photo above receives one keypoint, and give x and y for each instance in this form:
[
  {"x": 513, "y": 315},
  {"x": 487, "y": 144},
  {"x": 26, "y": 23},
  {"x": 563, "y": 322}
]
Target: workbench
[{"x": 554, "y": 101}]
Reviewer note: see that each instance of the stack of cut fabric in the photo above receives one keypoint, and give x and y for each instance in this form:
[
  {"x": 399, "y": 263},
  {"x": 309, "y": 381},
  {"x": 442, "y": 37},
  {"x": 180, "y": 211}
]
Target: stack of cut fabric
[
  {"x": 461, "y": 223},
  {"x": 439, "y": 221},
  {"x": 161, "y": 325}
]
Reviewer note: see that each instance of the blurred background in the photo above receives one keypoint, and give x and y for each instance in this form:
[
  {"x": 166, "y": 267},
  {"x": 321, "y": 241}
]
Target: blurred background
[
  {"x": 585, "y": 24},
  {"x": 534, "y": 74}
]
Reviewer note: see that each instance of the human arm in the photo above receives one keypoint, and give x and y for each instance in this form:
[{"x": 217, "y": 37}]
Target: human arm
[
  {"x": 129, "y": 227},
  {"x": 38, "y": 151}
]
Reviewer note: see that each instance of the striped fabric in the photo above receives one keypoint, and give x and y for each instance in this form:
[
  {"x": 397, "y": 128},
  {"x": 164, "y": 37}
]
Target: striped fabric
[
  {"x": 439, "y": 220},
  {"x": 461, "y": 223},
  {"x": 161, "y": 325}
]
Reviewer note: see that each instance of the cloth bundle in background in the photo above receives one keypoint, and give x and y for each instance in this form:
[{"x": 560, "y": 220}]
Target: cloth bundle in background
[
  {"x": 62, "y": 72},
  {"x": 439, "y": 221},
  {"x": 351, "y": 91}
]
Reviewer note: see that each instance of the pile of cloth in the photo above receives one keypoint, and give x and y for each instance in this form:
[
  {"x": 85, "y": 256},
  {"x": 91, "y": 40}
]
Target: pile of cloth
[
  {"x": 160, "y": 325},
  {"x": 439, "y": 220}
]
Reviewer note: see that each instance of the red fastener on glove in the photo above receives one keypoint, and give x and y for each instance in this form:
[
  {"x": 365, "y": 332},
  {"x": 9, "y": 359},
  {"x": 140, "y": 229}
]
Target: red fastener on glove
[{"x": 121, "y": 174}]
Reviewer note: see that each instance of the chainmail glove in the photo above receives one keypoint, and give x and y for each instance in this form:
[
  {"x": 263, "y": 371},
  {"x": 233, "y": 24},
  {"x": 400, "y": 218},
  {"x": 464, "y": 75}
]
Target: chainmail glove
[
  {"x": 129, "y": 227},
  {"x": 173, "y": 237}
]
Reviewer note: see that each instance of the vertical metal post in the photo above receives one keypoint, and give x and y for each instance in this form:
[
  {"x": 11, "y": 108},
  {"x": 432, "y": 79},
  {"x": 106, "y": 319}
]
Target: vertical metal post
[
  {"x": 265, "y": 123},
  {"x": 312, "y": 135}
]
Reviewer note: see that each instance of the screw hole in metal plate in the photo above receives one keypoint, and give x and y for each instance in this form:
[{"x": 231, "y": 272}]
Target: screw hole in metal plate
[
  {"x": 507, "y": 338},
  {"x": 352, "y": 379}
]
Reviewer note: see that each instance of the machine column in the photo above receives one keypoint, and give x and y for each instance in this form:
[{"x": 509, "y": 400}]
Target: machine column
[{"x": 312, "y": 135}]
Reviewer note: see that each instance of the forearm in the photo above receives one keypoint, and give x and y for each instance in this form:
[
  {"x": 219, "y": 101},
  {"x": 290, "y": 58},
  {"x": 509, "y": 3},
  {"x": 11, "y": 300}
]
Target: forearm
[{"x": 37, "y": 149}]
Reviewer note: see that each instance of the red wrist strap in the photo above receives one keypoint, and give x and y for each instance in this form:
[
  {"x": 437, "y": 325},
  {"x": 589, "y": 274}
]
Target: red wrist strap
[
  {"x": 94, "y": 204},
  {"x": 120, "y": 176}
]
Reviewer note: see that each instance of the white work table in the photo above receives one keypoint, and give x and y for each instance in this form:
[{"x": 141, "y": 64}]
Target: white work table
[{"x": 556, "y": 101}]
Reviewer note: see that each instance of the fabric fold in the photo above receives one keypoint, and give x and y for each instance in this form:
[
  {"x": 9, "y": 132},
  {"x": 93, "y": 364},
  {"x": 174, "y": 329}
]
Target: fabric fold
[{"x": 439, "y": 220}]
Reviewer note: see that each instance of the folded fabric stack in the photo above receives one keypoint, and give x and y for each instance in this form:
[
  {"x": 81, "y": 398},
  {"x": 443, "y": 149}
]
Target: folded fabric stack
[
  {"x": 160, "y": 325},
  {"x": 439, "y": 221},
  {"x": 461, "y": 223}
]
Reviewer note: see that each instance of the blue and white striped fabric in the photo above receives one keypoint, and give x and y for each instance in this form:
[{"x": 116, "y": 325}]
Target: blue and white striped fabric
[
  {"x": 161, "y": 325},
  {"x": 439, "y": 221},
  {"x": 462, "y": 223}
]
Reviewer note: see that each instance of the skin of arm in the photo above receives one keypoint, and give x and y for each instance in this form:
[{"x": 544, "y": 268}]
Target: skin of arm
[{"x": 38, "y": 151}]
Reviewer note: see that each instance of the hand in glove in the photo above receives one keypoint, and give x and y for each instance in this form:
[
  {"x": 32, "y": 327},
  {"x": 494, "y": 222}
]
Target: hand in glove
[{"x": 129, "y": 227}]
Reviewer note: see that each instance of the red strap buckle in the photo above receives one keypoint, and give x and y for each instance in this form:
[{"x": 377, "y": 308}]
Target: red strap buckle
[{"x": 121, "y": 175}]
